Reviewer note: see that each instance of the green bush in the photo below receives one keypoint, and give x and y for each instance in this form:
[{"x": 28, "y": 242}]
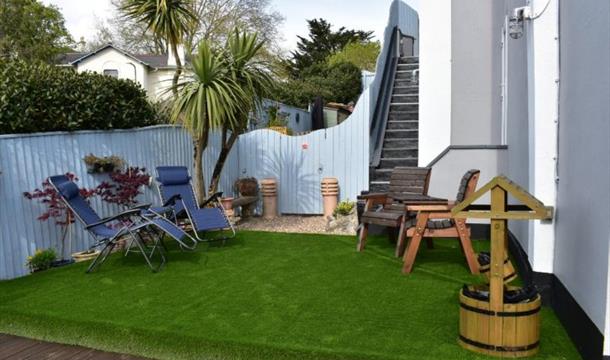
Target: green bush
[
  {"x": 41, "y": 260},
  {"x": 344, "y": 208},
  {"x": 36, "y": 97}
]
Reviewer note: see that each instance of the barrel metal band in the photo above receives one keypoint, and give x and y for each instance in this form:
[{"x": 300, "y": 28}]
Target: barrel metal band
[
  {"x": 499, "y": 348},
  {"x": 509, "y": 276},
  {"x": 487, "y": 267},
  {"x": 500, "y": 313}
]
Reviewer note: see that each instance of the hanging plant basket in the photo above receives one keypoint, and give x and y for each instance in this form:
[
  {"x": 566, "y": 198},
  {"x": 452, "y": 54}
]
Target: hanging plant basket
[{"x": 106, "y": 164}]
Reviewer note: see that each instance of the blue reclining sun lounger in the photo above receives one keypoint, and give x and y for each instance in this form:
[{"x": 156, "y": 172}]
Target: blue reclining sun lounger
[
  {"x": 133, "y": 223},
  {"x": 176, "y": 191}
]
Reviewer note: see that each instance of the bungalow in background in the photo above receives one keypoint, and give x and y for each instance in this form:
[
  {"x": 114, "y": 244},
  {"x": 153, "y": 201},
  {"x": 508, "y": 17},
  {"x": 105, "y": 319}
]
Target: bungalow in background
[{"x": 153, "y": 72}]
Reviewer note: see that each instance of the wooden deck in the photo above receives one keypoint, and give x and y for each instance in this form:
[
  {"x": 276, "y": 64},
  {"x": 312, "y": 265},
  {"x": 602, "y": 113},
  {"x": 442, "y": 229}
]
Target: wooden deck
[{"x": 14, "y": 347}]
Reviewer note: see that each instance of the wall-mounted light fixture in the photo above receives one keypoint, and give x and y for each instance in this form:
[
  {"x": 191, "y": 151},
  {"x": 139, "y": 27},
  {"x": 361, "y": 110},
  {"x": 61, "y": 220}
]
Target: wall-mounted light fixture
[{"x": 515, "y": 22}]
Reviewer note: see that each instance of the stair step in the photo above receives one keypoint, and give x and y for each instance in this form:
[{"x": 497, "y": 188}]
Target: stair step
[
  {"x": 404, "y": 107},
  {"x": 403, "y": 124},
  {"x": 403, "y": 115},
  {"x": 381, "y": 175},
  {"x": 399, "y": 153},
  {"x": 405, "y": 90},
  {"x": 406, "y": 75},
  {"x": 405, "y": 98},
  {"x": 399, "y": 82},
  {"x": 401, "y": 134},
  {"x": 396, "y": 143},
  {"x": 407, "y": 66},
  {"x": 393, "y": 162},
  {"x": 408, "y": 60}
]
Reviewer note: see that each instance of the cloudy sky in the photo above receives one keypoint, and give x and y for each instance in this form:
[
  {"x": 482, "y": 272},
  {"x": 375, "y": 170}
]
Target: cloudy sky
[{"x": 357, "y": 14}]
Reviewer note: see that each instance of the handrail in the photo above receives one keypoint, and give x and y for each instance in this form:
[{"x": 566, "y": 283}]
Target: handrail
[{"x": 384, "y": 99}]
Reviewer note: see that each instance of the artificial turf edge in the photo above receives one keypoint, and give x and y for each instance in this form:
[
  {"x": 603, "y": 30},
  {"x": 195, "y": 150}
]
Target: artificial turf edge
[{"x": 153, "y": 344}]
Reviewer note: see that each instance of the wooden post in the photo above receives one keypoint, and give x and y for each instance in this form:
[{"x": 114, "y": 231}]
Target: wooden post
[{"x": 498, "y": 246}]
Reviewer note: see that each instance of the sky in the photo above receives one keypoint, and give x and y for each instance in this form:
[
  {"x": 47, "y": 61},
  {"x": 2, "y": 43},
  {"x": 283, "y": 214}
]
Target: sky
[{"x": 371, "y": 15}]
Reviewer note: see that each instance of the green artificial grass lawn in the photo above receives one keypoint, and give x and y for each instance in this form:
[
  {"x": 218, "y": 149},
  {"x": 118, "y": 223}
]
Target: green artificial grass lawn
[{"x": 261, "y": 296}]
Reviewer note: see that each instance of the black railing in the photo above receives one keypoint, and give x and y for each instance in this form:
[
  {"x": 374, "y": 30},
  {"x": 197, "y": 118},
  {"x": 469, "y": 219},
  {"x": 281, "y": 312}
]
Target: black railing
[{"x": 384, "y": 99}]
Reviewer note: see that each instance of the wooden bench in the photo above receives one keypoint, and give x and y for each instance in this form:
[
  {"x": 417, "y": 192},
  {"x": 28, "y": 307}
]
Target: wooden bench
[{"x": 385, "y": 209}]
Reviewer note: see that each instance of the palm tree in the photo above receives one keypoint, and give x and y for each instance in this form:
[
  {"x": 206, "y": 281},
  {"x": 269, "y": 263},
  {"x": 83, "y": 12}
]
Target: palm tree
[
  {"x": 253, "y": 75},
  {"x": 208, "y": 98},
  {"x": 169, "y": 20}
]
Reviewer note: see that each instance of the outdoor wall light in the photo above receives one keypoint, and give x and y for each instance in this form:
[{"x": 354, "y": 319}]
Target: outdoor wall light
[
  {"x": 515, "y": 27},
  {"x": 515, "y": 22}
]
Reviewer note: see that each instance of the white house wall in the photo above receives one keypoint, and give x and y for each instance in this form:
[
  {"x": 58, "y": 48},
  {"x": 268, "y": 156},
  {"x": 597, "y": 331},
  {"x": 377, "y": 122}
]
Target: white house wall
[
  {"x": 583, "y": 206},
  {"x": 159, "y": 81},
  {"x": 435, "y": 78},
  {"x": 448, "y": 171},
  {"x": 111, "y": 59},
  {"x": 475, "y": 74}
]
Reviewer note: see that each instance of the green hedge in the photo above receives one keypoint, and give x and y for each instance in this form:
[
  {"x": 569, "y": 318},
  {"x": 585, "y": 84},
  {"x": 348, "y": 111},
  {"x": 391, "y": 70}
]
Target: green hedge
[{"x": 36, "y": 97}]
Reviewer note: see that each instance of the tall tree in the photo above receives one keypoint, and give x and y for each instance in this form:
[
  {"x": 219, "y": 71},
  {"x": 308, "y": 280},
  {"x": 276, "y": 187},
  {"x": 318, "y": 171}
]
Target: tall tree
[
  {"x": 253, "y": 75},
  {"x": 321, "y": 43},
  {"x": 32, "y": 31},
  {"x": 217, "y": 18},
  {"x": 127, "y": 34},
  {"x": 362, "y": 54},
  {"x": 208, "y": 98},
  {"x": 169, "y": 20}
]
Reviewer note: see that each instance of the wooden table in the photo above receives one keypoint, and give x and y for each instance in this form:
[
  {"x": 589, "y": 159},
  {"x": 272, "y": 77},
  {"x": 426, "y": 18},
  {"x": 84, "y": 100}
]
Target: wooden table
[{"x": 428, "y": 208}]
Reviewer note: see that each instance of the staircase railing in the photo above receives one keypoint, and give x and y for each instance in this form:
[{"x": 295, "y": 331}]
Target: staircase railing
[{"x": 384, "y": 100}]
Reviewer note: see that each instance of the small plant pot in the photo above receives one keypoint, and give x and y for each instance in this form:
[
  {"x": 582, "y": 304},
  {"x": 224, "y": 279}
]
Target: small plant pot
[{"x": 85, "y": 255}]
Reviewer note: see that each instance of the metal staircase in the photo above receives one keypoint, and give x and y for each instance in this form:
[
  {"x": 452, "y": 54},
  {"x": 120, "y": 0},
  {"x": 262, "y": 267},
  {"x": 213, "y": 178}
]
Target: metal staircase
[{"x": 400, "y": 137}]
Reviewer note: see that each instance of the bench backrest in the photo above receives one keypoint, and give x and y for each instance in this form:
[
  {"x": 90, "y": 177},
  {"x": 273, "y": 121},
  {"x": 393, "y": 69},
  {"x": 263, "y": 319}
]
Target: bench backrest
[{"x": 413, "y": 180}]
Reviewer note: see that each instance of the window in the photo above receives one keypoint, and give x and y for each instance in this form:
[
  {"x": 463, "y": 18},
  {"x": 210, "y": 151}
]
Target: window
[{"x": 112, "y": 72}]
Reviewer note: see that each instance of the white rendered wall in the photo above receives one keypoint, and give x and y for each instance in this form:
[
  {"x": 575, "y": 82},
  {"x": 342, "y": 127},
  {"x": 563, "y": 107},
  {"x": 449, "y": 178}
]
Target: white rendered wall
[
  {"x": 543, "y": 89},
  {"x": 435, "y": 79},
  {"x": 110, "y": 59},
  {"x": 159, "y": 81}
]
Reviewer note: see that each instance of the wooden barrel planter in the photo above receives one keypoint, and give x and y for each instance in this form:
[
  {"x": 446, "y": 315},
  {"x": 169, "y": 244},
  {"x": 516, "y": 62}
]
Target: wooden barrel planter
[
  {"x": 520, "y": 327},
  {"x": 509, "y": 273}
]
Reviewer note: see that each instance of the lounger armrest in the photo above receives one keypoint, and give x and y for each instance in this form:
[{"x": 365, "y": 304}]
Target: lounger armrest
[
  {"x": 123, "y": 214},
  {"x": 172, "y": 200},
  {"x": 212, "y": 198}
]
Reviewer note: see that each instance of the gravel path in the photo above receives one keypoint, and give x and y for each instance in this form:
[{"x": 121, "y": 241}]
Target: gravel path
[{"x": 290, "y": 224}]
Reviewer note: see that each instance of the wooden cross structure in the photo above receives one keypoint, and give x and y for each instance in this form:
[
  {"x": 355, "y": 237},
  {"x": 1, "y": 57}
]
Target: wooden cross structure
[{"x": 499, "y": 212}]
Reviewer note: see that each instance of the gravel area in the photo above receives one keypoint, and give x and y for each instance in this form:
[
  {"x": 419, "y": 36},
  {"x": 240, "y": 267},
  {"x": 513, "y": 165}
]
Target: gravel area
[{"x": 290, "y": 224}]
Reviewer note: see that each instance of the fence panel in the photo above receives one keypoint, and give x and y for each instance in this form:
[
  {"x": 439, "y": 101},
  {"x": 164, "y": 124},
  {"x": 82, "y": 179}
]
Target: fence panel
[{"x": 26, "y": 160}]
